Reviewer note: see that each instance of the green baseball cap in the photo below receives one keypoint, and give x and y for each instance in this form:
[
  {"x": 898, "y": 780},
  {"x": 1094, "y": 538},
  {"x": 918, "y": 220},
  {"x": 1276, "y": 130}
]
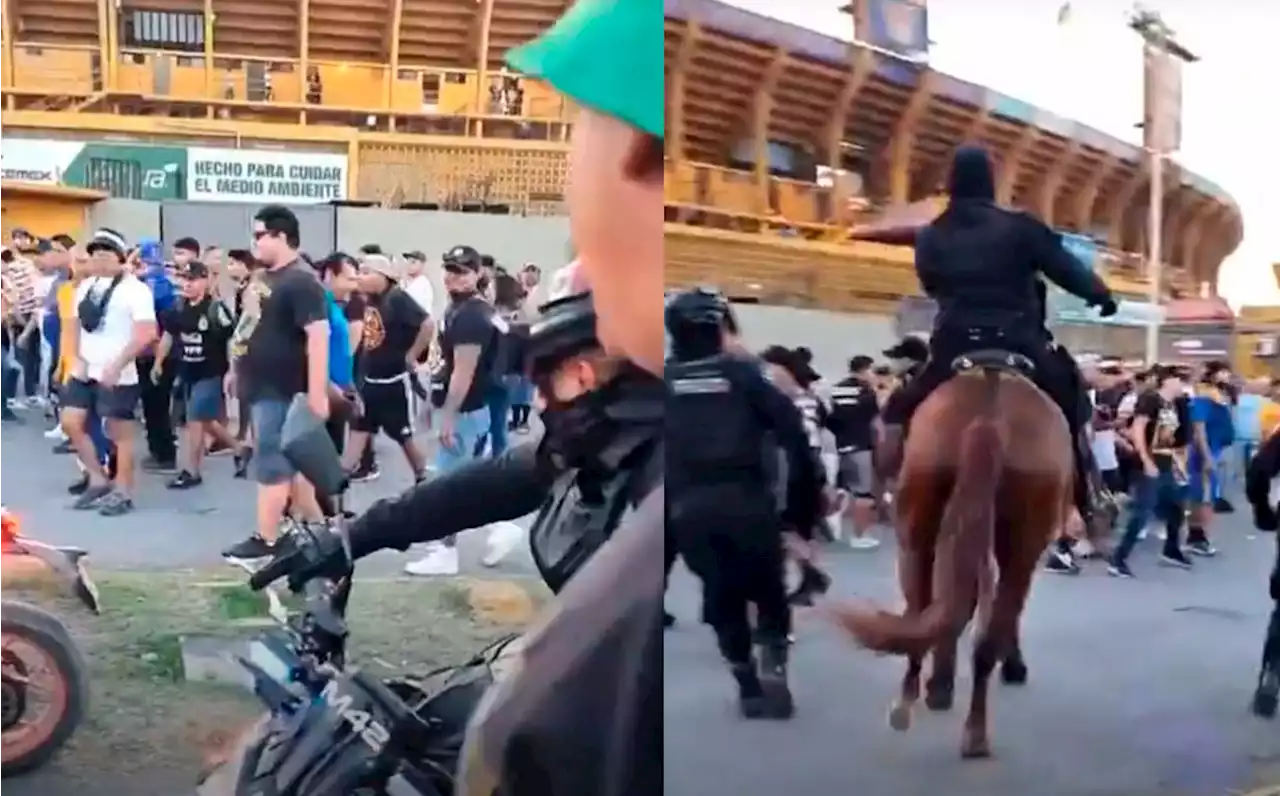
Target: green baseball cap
[{"x": 606, "y": 55}]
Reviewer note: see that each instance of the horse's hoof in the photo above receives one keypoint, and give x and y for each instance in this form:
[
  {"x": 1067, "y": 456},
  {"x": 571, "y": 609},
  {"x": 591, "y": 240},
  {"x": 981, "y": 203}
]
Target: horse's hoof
[
  {"x": 1265, "y": 704},
  {"x": 975, "y": 747},
  {"x": 939, "y": 701},
  {"x": 1013, "y": 672},
  {"x": 900, "y": 716}
]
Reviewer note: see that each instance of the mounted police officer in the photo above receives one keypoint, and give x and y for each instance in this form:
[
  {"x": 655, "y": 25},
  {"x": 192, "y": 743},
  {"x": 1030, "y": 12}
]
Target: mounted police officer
[
  {"x": 982, "y": 264},
  {"x": 1262, "y": 473},
  {"x": 721, "y": 510}
]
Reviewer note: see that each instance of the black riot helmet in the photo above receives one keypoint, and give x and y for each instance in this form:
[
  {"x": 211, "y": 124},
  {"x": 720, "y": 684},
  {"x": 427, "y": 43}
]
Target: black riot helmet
[
  {"x": 695, "y": 320},
  {"x": 564, "y": 328}
]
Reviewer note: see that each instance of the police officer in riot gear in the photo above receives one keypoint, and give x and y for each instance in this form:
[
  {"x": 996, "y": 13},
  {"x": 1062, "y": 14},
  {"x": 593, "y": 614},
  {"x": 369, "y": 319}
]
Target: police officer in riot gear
[
  {"x": 721, "y": 509},
  {"x": 601, "y": 454}
]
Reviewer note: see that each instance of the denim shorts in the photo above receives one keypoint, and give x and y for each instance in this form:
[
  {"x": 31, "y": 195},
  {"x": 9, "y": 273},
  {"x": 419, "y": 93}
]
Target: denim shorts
[
  {"x": 203, "y": 400},
  {"x": 471, "y": 426},
  {"x": 270, "y": 466}
]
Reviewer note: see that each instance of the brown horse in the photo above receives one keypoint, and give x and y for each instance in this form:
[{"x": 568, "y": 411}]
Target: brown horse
[{"x": 987, "y": 472}]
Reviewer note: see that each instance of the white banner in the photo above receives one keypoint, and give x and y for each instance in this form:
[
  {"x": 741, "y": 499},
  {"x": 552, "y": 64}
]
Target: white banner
[
  {"x": 37, "y": 160},
  {"x": 244, "y": 175}
]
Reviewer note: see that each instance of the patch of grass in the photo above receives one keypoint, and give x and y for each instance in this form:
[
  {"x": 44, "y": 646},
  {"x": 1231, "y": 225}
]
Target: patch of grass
[
  {"x": 241, "y": 602},
  {"x": 145, "y": 717}
]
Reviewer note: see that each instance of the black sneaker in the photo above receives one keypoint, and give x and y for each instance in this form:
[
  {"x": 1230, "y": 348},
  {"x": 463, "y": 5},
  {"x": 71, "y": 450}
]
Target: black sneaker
[
  {"x": 1060, "y": 563},
  {"x": 1223, "y": 506},
  {"x": 1176, "y": 558},
  {"x": 115, "y": 504},
  {"x": 78, "y": 486},
  {"x": 362, "y": 475},
  {"x": 1202, "y": 547},
  {"x": 242, "y": 459},
  {"x": 250, "y": 549},
  {"x": 64, "y": 447},
  {"x": 218, "y": 448},
  {"x": 185, "y": 480},
  {"x": 153, "y": 465},
  {"x": 1119, "y": 569},
  {"x": 8, "y": 416}
]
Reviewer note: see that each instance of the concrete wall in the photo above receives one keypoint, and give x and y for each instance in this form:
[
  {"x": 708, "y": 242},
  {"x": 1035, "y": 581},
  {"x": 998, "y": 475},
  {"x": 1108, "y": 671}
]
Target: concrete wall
[
  {"x": 832, "y": 337},
  {"x": 513, "y": 240},
  {"x": 133, "y": 218}
]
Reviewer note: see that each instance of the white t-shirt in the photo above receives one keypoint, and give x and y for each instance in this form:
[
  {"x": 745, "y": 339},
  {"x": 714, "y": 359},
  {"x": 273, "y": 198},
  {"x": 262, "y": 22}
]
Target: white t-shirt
[
  {"x": 1103, "y": 442},
  {"x": 131, "y": 303},
  {"x": 421, "y": 290}
]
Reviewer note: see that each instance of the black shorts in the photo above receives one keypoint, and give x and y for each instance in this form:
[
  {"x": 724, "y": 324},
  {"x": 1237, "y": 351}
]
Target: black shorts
[
  {"x": 386, "y": 409},
  {"x": 111, "y": 403}
]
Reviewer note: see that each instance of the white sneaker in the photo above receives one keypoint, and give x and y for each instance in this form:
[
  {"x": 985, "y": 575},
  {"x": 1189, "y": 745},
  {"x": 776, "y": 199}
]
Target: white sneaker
[
  {"x": 864, "y": 542},
  {"x": 56, "y": 434},
  {"x": 439, "y": 560},
  {"x": 504, "y": 538}
]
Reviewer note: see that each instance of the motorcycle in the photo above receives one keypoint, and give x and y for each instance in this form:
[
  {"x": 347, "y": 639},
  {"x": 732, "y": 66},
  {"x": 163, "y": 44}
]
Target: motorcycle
[
  {"x": 331, "y": 729},
  {"x": 43, "y": 678}
]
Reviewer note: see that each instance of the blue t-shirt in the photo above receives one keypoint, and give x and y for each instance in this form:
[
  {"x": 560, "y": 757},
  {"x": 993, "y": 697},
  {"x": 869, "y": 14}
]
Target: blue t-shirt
[
  {"x": 1248, "y": 417},
  {"x": 341, "y": 367},
  {"x": 1219, "y": 430}
]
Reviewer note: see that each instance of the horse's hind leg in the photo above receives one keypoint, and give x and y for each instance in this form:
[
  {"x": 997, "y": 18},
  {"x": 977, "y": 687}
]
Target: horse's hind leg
[
  {"x": 915, "y": 583},
  {"x": 940, "y": 688},
  {"x": 994, "y": 642}
]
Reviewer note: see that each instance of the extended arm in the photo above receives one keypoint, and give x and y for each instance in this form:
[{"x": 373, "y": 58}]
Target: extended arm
[{"x": 480, "y": 492}]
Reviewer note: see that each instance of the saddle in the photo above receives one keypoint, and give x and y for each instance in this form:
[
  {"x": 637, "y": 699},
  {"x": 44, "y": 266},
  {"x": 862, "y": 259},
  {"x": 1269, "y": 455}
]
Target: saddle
[{"x": 994, "y": 358}]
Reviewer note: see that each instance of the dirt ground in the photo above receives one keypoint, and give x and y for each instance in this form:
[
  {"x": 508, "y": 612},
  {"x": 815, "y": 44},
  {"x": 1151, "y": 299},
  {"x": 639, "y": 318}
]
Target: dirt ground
[{"x": 148, "y": 730}]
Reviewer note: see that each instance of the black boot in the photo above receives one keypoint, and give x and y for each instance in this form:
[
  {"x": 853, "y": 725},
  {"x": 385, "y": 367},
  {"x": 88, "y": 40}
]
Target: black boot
[
  {"x": 751, "y": 699},
  {"x": 773, "y": 678},
  {"x": 1266, "y": 698}
]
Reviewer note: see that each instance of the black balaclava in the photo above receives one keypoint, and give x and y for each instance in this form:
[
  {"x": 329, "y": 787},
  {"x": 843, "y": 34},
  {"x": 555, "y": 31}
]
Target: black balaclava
[{"x": 972, "y": 176}]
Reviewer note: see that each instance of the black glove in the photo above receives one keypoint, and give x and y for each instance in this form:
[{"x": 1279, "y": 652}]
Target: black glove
[
  {"x": 1107, "y": 307},
  {"x": 310, "y": 553}
]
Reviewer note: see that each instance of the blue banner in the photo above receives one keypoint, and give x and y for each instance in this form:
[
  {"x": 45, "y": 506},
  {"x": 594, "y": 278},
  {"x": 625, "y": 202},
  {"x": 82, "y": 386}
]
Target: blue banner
[{"x": 899, "y": 26}]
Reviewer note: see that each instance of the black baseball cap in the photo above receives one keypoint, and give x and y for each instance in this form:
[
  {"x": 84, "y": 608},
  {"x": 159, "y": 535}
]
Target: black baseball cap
[
  {"x": 414, "y": 255},
  {"x": 195, "y": 270},
  {"x": 462, "y": 258}
]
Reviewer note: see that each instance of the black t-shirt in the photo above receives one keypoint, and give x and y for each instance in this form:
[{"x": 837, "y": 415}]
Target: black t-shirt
[
  {"x": 853, "y": 412},
  {"x": 1182, "y": 406},
  {"x": 391, "y": 324},
  {"x": 1163, "y": 425},
  {"x": 200, "y": 335},
  {"x": 275, "y": 364},
  {"x": 471, "y": 321}
]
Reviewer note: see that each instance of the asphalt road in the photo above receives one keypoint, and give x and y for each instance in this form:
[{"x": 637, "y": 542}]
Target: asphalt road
[
  {"x": 178, "y": 529},
  {"x": 1137, "y": 688}
]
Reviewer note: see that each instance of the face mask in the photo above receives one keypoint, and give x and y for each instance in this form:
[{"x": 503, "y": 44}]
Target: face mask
[{"x": 579, "y": 431}]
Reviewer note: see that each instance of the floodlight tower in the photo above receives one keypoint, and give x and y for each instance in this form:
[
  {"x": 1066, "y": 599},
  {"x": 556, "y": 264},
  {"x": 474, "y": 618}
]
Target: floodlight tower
[{"x": 1164, "y": 56}]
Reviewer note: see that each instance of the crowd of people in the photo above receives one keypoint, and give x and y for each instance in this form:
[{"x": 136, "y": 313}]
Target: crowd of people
[
  {"x": 205, "y": 349},
  {"x": 1167, "y": 441}
]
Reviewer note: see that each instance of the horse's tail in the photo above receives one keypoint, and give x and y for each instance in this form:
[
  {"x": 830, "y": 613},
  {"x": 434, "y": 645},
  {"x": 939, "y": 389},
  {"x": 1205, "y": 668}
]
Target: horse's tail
[
  {"x": 965, "y": 539},
  {"x": 967, "y": 532}
]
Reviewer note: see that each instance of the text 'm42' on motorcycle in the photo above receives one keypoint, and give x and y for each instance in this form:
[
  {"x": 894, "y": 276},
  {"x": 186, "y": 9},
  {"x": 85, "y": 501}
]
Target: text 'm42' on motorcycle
[{"x": 45, "y": 683}]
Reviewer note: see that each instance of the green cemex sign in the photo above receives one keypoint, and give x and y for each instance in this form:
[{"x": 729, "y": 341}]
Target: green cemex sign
[{"x": 144, "y": 172}]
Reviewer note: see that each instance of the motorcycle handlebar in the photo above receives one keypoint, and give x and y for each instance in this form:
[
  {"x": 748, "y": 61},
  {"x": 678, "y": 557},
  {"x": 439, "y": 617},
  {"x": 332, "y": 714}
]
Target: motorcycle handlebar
[{"x": 275, "y": 569}]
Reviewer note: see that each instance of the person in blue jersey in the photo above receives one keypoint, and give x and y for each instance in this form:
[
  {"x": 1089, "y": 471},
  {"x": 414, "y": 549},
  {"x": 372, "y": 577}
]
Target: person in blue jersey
[{"x": 157, "y": 392}]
